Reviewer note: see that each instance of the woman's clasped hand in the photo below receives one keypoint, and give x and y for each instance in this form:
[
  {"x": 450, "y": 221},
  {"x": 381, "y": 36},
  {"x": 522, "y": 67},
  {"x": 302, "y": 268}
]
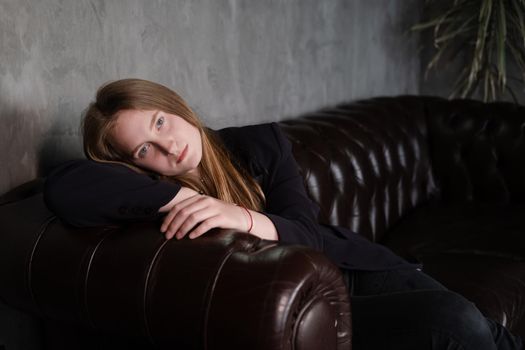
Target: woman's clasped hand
[{"x": 198, "y": 214}]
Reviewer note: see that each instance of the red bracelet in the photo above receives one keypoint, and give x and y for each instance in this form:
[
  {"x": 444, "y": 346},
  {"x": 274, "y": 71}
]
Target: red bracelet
[{"x": 250, "y": 215}]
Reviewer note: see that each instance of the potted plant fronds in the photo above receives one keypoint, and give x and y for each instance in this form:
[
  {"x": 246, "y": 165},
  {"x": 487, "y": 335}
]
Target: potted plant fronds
[{"x": 489, "y": 35}]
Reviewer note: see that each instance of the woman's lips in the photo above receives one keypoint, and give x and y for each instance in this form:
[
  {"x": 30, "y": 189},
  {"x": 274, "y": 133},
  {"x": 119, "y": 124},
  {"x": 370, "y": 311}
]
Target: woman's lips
[{"x": 182, "y": 154}]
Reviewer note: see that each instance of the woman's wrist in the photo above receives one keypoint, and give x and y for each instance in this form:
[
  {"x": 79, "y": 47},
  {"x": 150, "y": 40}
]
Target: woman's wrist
[
  {"x": 249, "y": 217},
  {"x": 184, "y": 193},
  {"x": 263, "y": 227}
]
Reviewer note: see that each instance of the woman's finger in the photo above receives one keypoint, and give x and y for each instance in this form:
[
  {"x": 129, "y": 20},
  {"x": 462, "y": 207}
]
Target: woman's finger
[
  {"x": 168, "y": 219},
  {"x": 192, "y": 220},
  {"x": 186, "y": 218},
  {"x": 205, "y": 226}
]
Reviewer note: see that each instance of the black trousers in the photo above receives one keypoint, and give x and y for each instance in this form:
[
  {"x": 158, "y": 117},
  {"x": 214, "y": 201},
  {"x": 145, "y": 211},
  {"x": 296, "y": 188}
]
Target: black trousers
[{"x": 407, "y": 309}]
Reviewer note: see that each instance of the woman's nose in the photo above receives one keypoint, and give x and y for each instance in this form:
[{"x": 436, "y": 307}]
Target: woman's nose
[{"x": 168, "y": 146}]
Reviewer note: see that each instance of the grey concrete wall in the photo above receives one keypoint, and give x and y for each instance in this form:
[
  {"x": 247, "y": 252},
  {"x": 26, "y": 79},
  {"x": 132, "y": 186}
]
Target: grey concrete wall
[{"x": 236, "y": 62}]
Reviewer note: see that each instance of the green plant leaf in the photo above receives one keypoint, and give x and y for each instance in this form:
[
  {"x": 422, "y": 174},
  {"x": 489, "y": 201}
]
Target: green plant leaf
[
  {"x": 429, "y": 24},
  {"x": 464, "y": 28},
  {"x": 501, "y": 36},
  {"x": 460, "y": 84},
  {"x": 518, "y": 12},
  {"x": 486, "y": 86},
  {"x": 437, "y": 56},
  {"x": 477, "y": 59},
  {"x": 492, "y": 87},
  {"x": 487, "y": 33},
  {"x": 518, "y": 56}
]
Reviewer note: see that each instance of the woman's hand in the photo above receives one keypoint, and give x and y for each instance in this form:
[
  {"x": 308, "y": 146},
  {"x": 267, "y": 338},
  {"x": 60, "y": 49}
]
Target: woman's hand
[{"x": 200, "y": 214}]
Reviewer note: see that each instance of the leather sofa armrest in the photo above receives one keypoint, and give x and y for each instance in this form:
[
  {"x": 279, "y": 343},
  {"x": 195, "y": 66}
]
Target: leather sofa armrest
[{"x": 223, "y": 290}]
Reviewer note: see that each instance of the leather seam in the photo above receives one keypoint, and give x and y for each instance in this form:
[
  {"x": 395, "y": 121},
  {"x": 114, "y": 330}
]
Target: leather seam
[
  {"x": 43, "y": 228},
  {"x": 86, "y": 280},
  {"x": 146, "y": 288},
  {"x": 299, "y": 316},
  {"x": 210, "y": 296}
]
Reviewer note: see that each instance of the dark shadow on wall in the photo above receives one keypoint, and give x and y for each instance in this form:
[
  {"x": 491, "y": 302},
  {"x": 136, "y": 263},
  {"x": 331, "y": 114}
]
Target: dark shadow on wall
[
  {"x": 57, "y": 147},
  {"x": 30, "y": 147},
  {"x": 18, "y": 143}
]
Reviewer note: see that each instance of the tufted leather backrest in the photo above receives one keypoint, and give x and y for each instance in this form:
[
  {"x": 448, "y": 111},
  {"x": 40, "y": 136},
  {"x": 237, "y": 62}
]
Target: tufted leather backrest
[
  {"x": 365, "y": 163},
  {"x": 478, "y": 150},
  {"x": 369, "y": 162}
]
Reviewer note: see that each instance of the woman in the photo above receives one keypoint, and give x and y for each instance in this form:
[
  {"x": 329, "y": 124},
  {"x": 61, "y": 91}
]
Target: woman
[{"x": 151, "y": 157}]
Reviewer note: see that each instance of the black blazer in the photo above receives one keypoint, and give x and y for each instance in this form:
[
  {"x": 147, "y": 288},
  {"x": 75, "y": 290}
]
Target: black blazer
[{"x": 85, "y": 193}]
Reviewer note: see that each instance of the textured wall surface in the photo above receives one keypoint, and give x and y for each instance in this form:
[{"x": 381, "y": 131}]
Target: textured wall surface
[{"x": 236, "y": 62}]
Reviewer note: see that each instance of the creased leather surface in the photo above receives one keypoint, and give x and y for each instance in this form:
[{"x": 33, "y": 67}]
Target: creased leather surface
[
  {"x": 116, "y": 287},
  {"x": 365, "y": 163}
]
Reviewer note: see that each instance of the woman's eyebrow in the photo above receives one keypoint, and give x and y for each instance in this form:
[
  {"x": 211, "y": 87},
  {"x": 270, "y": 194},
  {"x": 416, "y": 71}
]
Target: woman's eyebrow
[
  {"x": 151, "y": 125},
  {"x": 153, "y": 118}
]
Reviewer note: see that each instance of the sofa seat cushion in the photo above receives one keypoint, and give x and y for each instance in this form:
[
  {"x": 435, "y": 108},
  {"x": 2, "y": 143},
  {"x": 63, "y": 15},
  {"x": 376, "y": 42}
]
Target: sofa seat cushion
[
  {"x": 477, "y": 250},
  {"x": 469, "y": 228}
]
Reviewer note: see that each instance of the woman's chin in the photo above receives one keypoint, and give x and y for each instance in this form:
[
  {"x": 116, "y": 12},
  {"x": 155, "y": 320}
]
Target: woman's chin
[
  {"x": 169, "y": 173},
  {"x": 172, "y": 172}
]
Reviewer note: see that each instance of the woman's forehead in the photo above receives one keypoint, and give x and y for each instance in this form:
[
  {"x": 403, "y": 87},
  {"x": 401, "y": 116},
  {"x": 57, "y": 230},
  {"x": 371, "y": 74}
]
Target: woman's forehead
[
  {"x": 131, "y": 127},
  {"x": 134, "y": 113}
]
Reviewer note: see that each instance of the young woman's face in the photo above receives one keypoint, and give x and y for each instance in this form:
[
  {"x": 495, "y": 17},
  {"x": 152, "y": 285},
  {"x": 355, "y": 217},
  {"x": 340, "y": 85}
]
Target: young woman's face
[{"x": 158, "y": 141}]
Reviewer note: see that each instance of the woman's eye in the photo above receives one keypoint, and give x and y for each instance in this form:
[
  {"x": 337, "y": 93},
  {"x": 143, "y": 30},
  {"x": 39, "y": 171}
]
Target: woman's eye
[
  {"x": 159, "y": 122},
  {"x": 143, "y": 150}
]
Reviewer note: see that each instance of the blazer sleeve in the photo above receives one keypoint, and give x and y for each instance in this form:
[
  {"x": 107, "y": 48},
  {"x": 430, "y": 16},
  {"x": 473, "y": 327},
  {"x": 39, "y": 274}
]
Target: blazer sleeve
[
  {"x": 288, "y": 206},
  {"x": 85, "y": 193}
]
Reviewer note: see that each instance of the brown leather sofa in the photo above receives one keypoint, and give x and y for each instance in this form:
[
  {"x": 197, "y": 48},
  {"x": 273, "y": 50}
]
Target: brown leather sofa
[{"x": 440, "y": 182}]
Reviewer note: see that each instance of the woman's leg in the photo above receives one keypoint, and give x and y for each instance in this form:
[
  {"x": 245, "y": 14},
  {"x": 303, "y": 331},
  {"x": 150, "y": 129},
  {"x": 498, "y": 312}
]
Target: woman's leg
[
  {"x": 404, "y": 309},
  {"x": 365, "y": 283},
  {"x": 427, "y": 319}
]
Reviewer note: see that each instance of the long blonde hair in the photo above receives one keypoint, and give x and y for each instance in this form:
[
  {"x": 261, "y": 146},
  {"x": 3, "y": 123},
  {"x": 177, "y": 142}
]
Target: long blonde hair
[{"x": 220, "y": 178}]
